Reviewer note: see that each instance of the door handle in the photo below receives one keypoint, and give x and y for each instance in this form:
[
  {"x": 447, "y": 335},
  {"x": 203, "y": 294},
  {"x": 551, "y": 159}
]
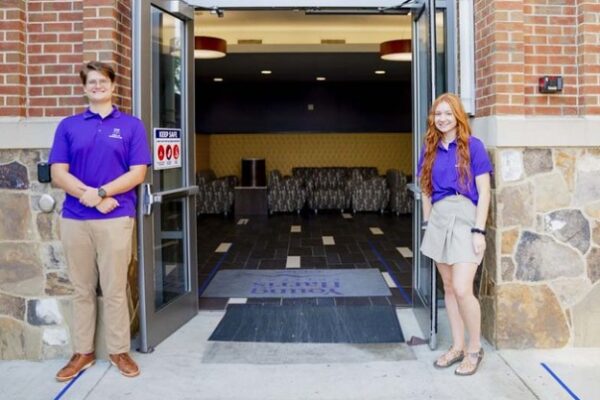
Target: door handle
[
  {"x": 150, "y": 198},
  {"x": 415, "y": 190}
]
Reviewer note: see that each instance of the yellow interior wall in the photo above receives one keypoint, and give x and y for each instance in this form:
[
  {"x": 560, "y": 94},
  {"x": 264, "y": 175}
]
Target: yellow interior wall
[
  {"x": 202, "y": 152},
  {"x": 223, "y": 152}
]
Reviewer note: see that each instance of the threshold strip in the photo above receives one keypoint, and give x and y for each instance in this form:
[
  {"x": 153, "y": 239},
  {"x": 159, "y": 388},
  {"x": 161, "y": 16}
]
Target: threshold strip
[
  {"x": 213, "y": 272},
  {"x": 560, "y": 382},
  {"x": 391, "y": 273},
  {"x": 71, "y": 382}
]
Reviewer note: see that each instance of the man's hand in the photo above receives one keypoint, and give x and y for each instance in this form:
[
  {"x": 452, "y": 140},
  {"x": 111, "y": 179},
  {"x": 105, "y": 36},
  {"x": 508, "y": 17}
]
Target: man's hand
[
  {"x": 107, "y": 205},
  {"x": 90, "y": 197}
]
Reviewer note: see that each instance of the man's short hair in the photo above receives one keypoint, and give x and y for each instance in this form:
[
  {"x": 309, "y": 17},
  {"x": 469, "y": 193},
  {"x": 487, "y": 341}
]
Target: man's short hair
[{"x": 103, "y": 68}]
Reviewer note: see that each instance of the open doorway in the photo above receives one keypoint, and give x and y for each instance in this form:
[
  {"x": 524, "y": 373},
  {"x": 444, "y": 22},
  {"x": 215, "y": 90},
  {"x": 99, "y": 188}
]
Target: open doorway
[{"x": 311, "y": 96}]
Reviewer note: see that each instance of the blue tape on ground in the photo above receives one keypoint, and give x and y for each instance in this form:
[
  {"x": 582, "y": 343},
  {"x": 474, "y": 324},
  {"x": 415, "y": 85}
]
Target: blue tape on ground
[
  {"x": 213, "y": 272},
  {"x": 71, "y": 382},
  {"x": 392, "y": 274},
  {"x": 560, "y": 382}
]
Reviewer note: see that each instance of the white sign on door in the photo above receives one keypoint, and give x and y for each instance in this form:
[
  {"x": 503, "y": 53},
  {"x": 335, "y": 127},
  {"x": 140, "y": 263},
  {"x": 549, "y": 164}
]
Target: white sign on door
[{"x": 167, "y": 148}]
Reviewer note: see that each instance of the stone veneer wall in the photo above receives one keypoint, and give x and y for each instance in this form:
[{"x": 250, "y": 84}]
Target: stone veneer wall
[
  {"x": 34, "y": 287},
  {"x": 540, "y": 285}
]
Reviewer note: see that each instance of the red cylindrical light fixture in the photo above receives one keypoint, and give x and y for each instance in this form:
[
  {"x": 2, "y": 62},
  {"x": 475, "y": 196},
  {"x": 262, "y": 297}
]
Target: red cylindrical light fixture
[
  {"x": 396, "y": 50},
  {"x": 208, "y": 47}
]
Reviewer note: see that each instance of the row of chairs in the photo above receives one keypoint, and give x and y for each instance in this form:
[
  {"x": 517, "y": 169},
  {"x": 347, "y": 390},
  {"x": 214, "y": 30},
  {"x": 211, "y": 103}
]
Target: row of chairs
[{"x": 354, "y": 188}]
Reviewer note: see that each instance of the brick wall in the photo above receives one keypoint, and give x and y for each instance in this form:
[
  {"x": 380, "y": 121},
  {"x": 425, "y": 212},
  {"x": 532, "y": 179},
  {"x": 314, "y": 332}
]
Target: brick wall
[
  {"x": 12, "y": 58},
  {"x": 44, "y": 44},
  {"x": 588, "y": 58},
  {"x": 518, "y": 41}
]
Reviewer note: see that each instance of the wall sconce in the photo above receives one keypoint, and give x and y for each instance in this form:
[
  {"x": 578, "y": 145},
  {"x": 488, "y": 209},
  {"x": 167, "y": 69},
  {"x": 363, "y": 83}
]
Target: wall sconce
[
  {"x": 396, "y": 50},
  {"x": 207, "y": 47}
]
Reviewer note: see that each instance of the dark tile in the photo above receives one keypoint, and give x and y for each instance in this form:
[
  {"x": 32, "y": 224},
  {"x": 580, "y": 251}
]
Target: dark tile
[
  {"x": 212, "y": 303},
  {"x": 272, "y": 264},
  {"x": 352, "y": 258},
  {"x": 300, "y": 251}
]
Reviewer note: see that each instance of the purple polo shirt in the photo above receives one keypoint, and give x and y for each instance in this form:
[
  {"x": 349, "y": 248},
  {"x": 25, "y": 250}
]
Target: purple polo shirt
[
  {"x": 444, "y": 175},
  {"x": 99, "y": 150}
]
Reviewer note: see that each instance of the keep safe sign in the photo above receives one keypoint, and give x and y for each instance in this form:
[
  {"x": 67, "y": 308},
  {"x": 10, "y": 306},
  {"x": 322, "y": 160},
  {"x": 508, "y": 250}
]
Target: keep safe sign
[{"x": 167, "y": 148}]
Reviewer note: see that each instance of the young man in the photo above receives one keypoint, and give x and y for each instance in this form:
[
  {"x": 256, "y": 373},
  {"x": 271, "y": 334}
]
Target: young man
[{"x": 98, "y": 158}]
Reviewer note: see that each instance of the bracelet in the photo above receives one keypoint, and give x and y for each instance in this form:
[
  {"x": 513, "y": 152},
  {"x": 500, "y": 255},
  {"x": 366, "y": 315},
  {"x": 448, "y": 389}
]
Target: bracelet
[
  {"x": 477, "y": 230},
  {"x": 424, "y": 225}
]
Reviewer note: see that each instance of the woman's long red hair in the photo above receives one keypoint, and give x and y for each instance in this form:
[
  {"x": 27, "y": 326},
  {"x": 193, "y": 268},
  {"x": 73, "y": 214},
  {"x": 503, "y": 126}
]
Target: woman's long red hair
[{"x": 433, "y": 137}]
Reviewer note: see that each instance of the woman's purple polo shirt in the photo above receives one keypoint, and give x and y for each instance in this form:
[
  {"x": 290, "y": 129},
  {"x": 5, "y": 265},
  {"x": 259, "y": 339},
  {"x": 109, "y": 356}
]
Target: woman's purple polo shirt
[
  {"x": 99, "y": 150},
  {"x": 444, "y": 175}
]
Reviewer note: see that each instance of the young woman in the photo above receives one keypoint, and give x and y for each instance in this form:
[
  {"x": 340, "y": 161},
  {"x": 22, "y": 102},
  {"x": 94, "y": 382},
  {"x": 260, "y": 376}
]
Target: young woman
[{"x": 454, "y": 172}]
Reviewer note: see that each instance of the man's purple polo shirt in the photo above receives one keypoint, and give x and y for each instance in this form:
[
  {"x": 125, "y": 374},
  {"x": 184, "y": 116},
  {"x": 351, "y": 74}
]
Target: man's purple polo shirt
[
  {"x": 445, "y": 172},
  {"x": 99, "y": 150}
]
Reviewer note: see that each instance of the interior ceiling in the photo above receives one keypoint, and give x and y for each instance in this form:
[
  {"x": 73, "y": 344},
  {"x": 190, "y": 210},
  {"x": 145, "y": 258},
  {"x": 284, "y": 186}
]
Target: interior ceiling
[
  {"x": 302, "y": 67},
  {"x": 290, "y": 46}
]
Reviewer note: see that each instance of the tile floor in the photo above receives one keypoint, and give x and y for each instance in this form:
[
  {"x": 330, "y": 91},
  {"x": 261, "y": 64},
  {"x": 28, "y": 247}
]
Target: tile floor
[{"x": 325, "y": 240}]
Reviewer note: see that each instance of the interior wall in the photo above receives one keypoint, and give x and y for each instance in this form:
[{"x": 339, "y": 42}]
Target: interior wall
[
  {"x": 223, "y": 152},
  {"x": 202, "y": 152}
]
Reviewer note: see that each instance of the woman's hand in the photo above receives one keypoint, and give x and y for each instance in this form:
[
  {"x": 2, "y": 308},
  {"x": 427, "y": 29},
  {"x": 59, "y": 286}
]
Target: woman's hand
[
  {"x": 107, "y": 205},
  {"x": 478, "y": 243}
]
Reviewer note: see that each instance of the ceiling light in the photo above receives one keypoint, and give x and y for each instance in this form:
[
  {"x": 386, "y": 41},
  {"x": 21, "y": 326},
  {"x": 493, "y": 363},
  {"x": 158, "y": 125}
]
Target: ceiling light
[
  {"x": 396, "y": 50},
  {"x": 379, "y": 72},
  {"x": 266, "y": 72},
  {"x": 208, "y": 47},
  {"x": 321, "y": 78},
  {"x": 218, "y": 79}
]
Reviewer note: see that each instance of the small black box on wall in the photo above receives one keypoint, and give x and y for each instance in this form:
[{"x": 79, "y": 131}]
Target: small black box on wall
[
  {"x": 550, "y": 84},
  {"x": 43, "y": 171}
]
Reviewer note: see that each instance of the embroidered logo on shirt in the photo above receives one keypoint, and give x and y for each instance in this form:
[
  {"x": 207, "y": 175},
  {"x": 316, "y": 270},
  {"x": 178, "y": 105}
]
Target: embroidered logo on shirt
[{"x": 116, "y": 134}]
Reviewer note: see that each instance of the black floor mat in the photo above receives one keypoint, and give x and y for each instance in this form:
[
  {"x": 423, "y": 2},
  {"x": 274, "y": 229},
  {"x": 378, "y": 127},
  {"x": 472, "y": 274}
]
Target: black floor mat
[{"x": 303, "y": 323}]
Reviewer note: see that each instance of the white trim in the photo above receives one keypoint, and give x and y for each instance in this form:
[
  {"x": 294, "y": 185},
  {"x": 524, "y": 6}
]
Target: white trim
[
  {"x": 27, "y": 133},
  {"x": 521, "y": 131}
]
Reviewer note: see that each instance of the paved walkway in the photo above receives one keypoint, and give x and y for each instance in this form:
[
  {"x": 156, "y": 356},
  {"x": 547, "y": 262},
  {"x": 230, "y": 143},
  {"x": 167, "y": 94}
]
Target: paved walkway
[{"x": 187, "y": 366}]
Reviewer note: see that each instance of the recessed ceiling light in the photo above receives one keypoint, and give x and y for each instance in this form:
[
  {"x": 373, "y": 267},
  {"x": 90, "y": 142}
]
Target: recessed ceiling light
[
  {"x": 218, "y": 79},
  {"x": 321, "y": 78},
  {"x": 379, "y": 72},
  {"x": 266, "y": 72}
]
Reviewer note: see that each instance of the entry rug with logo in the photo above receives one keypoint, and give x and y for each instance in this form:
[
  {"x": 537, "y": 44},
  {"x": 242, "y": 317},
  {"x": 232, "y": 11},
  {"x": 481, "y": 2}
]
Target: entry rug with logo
[
  {"x": 298, "y": 283},
  {"x": 308, "y": 323}
]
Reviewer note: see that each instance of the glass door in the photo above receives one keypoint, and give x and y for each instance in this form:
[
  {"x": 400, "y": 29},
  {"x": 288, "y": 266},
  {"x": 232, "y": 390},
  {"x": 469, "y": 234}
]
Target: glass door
[
  {"x": 164, "y": 100},
  {"x": 424, "y": 90}
]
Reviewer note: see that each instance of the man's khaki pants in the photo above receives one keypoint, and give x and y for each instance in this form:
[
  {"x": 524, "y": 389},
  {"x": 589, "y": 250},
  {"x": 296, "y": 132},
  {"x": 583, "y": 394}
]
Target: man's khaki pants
[{"x": 99, "y": 249}]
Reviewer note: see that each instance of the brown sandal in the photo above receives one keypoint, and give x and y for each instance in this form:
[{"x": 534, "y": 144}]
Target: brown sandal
[
  {"x": 449, "y": 358},
  {"x": 470, "y": 364}
]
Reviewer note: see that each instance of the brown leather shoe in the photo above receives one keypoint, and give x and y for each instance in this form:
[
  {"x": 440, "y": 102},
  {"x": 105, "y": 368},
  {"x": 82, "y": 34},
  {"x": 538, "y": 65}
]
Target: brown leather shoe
[
  {"x": 125, "y": 364},
  {"x": 76, "y": 364}
]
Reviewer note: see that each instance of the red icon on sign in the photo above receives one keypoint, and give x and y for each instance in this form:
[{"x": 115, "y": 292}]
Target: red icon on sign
[
  {"x": 169, "y": 152},
  {"x": 176, "y": 152},
  {"x": 161, "y": 152}
]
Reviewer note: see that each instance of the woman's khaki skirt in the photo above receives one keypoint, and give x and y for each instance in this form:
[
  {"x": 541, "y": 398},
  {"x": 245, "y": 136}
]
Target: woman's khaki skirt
[{"x": 448, "y": 238}]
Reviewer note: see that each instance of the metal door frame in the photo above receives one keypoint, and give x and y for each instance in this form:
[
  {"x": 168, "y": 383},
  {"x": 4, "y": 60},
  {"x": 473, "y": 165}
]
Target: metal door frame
[{"x": 155, "y": 326}]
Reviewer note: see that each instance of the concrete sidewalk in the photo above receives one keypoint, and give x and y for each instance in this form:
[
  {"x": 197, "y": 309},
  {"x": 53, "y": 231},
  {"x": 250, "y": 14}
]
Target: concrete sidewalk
[{"x": 187, "y": 366}]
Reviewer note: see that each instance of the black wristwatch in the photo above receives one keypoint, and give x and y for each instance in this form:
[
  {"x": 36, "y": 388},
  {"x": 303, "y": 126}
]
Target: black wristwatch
[
  {"x": 101, "y": 192},
  {"x": 477, "y": 230}
]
